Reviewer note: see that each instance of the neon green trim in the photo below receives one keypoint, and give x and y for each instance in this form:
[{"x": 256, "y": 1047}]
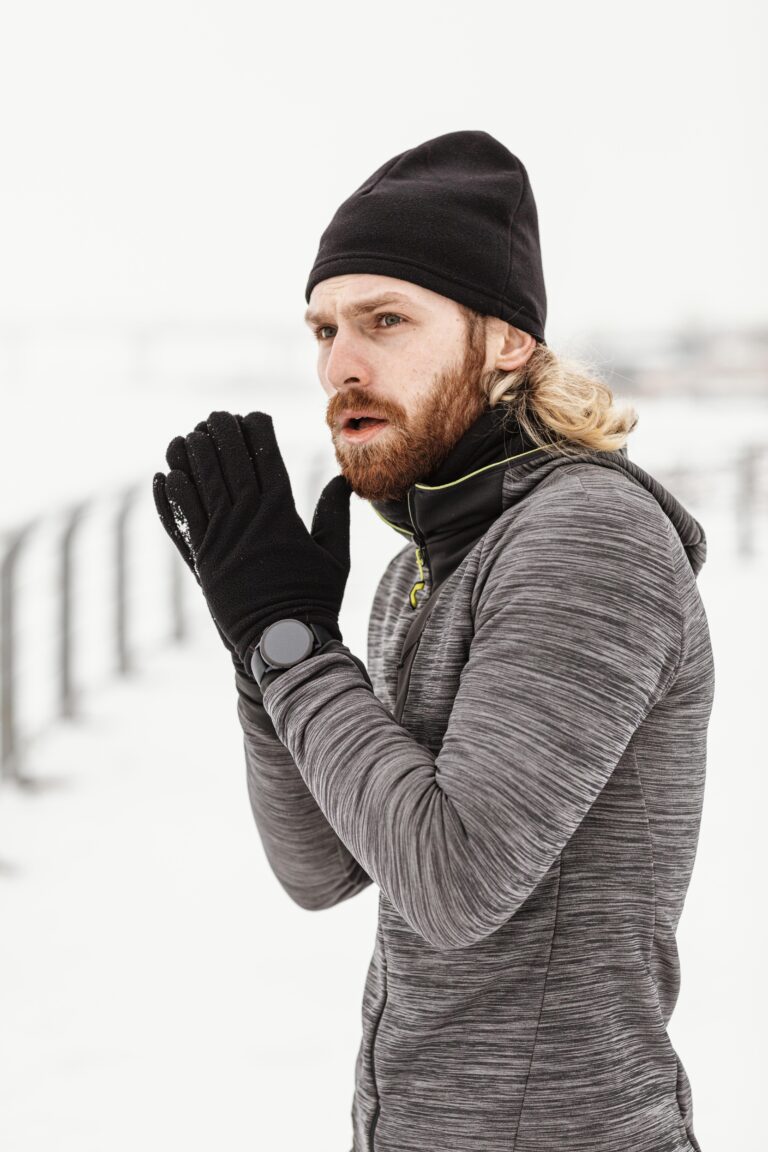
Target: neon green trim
[
  {"x": 402, "y": 531},
  {"x": 450, "y": 484}
]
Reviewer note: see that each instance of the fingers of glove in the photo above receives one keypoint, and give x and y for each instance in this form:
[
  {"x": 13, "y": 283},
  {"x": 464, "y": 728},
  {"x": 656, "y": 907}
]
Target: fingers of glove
[
  {"x": 169, "y": 521},
  {"x": 206, "y": 471},
  {"x": 272, "y": 475},
  {"x": 330, "y": 523},
  {"x": 187, "y": 507},
  {"x": 176, "y": 455},
  {"x": 236, "y": 463}
]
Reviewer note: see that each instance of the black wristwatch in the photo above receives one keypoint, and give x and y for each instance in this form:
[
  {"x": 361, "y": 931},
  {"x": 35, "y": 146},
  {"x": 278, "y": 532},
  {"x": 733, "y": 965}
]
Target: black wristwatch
[{"x": 283, "y": 644}]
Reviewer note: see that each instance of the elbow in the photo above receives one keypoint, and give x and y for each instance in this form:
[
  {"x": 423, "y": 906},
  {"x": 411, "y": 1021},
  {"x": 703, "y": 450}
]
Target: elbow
[
  {"x": 320, "y": 898},
  {"x": 308, "y": 899},
  {"x": 310, "y": 904}
]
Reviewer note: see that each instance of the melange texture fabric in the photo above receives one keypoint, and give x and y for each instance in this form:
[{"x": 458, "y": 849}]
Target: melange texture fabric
[{"x": 523, "y": 782}]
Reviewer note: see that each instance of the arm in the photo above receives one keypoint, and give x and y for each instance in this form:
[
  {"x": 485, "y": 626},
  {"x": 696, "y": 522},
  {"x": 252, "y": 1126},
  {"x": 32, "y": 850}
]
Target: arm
[
  {"x": 228, "y": 507},
  {"x": 313, "y": 865},
  {"x": 577, "y": 635}
]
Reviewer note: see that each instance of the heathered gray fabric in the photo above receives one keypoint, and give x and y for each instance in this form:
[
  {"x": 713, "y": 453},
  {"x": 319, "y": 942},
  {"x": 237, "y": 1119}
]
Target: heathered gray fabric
[{"x": 531, "y": 823}]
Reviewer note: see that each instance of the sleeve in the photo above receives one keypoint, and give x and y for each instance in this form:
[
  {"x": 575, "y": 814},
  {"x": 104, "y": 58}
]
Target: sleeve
[
  {"x": 312, "y": 864},
  {"x": 577, "y": 634}
]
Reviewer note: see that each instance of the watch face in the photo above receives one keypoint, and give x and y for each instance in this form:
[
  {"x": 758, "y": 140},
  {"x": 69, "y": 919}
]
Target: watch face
[{"x": 286, "y": 642}]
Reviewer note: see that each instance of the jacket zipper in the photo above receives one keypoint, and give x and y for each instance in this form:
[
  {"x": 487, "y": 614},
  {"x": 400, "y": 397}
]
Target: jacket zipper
[{"x": 422, "y": 556}]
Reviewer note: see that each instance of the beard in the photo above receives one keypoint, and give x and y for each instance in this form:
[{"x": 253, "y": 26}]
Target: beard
[{"x": 410, "y": 448}]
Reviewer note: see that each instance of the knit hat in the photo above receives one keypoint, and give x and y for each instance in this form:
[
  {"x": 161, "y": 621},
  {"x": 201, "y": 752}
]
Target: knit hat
[{"x": 456, "y": 215}]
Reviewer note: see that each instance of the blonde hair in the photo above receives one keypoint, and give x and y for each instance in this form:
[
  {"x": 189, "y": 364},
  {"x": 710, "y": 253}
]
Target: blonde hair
[{"x": 561, "y": 403}]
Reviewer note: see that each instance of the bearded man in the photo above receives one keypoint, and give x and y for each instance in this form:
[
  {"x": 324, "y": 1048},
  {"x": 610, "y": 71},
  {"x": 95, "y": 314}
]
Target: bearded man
[{"x": 518, "y": 765}]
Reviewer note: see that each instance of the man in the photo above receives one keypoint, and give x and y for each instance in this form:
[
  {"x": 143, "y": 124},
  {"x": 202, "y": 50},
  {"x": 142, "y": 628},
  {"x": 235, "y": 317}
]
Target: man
[{"x": 519, "y": 765}]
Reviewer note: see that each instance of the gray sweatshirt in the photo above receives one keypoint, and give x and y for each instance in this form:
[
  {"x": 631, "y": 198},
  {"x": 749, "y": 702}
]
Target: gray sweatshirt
[{"x": 521, "y": 773}]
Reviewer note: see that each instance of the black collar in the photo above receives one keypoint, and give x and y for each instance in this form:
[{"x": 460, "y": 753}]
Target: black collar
[{"x": 450, "y": 510}]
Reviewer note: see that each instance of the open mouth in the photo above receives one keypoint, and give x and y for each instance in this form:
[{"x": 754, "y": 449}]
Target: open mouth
[
  {"x": 363, "y": 421},
  {"x": 363, "y": 427}
]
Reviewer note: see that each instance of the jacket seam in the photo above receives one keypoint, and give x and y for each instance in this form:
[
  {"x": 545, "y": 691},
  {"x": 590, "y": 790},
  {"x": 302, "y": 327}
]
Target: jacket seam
[
  {"x": 653, "y": 936},
  {"x": 374, "y": 1037},
  {"x": 541, "y": 1005},
  {"x": 650, "y": 847}
]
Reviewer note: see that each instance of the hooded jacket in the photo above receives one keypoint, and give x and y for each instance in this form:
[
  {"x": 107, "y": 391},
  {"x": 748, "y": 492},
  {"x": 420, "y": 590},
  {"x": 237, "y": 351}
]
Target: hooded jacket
[{"x": 521, "y": 773}]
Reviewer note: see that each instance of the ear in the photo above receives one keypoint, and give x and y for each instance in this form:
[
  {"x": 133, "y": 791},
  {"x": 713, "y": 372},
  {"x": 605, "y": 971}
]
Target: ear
[{"x": 513, "y": 348}]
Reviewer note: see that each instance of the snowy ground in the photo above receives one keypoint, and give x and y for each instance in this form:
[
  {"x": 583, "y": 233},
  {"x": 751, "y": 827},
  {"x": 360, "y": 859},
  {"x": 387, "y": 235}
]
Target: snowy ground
[{"x": 159, "y": 990}]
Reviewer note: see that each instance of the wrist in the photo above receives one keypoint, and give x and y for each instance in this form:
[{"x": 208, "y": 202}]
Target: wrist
[{"x": 331, "y": 645}]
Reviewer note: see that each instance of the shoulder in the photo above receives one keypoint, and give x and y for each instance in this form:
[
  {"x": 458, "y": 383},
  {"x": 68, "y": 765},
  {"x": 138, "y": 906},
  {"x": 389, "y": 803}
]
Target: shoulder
[
  {"x": 584, "y": 516},
  {"x": 584, "y": 565},
  {"x": 583, "y": 489}
]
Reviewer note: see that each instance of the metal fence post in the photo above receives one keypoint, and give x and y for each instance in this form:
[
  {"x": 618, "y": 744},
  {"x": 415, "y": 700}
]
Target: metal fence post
[
  {"x": 746, "y": 500},
  {"x": 67, "y": 693},
  {"x": 122, "y": 643},
  {"x": 10, "y": 745},
  {"x": 178, "y": 582}
]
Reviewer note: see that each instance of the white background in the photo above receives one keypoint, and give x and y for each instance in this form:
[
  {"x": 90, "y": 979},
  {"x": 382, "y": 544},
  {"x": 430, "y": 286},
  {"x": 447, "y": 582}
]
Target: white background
[{"x": 167, "y": 170}]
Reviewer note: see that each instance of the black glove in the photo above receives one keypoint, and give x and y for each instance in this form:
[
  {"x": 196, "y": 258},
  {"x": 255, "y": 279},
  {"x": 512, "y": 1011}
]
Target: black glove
[
  {"x": 254, "y": 558},
  {"x": 175, "y": 524}
]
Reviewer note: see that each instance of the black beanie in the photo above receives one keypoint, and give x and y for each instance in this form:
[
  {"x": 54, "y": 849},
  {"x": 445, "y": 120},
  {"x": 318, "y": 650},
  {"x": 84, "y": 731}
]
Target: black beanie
[{"x": 456, "y": 215}]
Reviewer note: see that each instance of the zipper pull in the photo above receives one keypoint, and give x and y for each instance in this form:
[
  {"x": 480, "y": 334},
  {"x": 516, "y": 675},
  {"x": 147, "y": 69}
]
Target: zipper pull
[{"x": 418, "y": 586}]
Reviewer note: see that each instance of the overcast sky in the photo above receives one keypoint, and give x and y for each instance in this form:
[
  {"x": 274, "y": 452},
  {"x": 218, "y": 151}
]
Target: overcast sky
[{"x": 169, "y": 159}]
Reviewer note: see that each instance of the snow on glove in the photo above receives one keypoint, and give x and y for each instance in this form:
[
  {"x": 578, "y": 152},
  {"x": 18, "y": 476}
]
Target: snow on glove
[
  {"x": 254, "y": 558},
  {"x": 175, "y": 524}
]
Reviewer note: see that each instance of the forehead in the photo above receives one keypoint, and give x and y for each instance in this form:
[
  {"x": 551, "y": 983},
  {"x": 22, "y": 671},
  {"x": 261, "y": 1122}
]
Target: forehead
[{"x": 354, "y": 293}]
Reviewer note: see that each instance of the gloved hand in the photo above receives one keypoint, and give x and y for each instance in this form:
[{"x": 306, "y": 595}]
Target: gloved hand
[
  {"x": 254, "y": 558},
  {"x": 175, "y": 523}
]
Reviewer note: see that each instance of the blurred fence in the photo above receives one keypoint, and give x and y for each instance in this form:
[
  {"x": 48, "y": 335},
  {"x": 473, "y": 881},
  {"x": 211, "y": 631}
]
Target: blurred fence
[
  {"x": 737, "y": 487},
  {"x": 89, "y": 592}
]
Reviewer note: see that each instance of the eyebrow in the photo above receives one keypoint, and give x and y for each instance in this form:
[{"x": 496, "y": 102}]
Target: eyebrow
[{"x": 362, "y": 307}]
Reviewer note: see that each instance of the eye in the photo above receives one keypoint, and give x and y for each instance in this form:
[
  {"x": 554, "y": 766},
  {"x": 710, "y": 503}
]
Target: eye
[
  {"x": 379, "y": 316},
  {"x": 391, "y": 315}
]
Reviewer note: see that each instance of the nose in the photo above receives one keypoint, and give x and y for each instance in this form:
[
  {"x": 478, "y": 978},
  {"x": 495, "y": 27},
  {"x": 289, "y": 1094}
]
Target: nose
[{"x": 346, "y": 366}]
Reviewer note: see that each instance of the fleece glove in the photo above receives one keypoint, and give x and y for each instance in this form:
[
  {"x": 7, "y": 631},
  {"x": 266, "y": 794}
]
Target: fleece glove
[
  {"x": 228, "y": 506},
  {"x": 175, "y": 525}
]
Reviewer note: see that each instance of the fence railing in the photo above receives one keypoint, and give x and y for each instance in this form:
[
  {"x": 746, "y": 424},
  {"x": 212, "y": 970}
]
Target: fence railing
[
  {"x": 52, "y": 591},
  {"x": 129, "y": 594},
  {"x": 87, "y": 592},
  {"x": 739, "y": 483}
]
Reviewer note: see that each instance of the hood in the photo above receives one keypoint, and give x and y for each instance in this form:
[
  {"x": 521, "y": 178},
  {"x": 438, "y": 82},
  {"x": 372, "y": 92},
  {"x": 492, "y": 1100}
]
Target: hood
[{"x": 492, "y": 467}]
